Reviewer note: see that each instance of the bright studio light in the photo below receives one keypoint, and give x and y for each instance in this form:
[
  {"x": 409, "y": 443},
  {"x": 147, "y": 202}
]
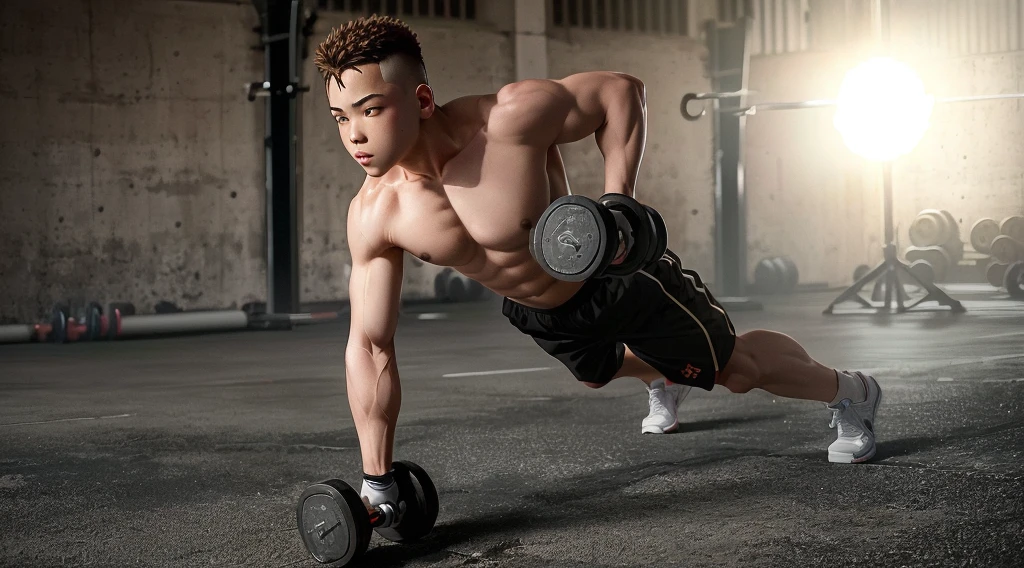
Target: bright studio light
[{"x": 883, "y": 109}]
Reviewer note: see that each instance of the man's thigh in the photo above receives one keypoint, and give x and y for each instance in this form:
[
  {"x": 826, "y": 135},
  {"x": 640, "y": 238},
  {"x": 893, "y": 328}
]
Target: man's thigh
[{"x": 685, "y": 334}]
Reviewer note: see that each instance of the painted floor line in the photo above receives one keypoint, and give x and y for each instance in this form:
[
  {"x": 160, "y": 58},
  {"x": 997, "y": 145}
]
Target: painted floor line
[
  {"x": 67, "y": 420},
  {"x": 1008, "y": 334},
  {"x": 501, "y": 372},
  {"x": 1002, "y": 357}
]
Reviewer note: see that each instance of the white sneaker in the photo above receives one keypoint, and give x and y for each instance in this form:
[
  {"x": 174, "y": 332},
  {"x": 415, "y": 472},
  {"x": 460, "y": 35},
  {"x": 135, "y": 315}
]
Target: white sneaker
[
  {"x": 664, "y": 403},
  {"x": 856, "y": 424}
]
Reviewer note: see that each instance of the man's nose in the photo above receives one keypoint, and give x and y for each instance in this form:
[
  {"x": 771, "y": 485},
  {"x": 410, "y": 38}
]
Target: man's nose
[{"x": 355, "y": 134}]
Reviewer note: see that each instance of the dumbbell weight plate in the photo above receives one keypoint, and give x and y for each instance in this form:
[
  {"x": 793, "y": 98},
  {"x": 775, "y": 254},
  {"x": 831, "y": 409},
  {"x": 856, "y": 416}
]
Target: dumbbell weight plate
[
  {"x": 421, "y": 503},
  {"x": 792, "y": 273},
  {"x": 93, "y": 322},
  {"x": 953, "y": 244},
  {"x": 929, "y": 228},
  {"x": 955, "y": 250},
  {"x": 1014, "y": 280},
  {"x": 333, "y": 522},
  {"x": 860, "y": 271},
  {"x": 782, "y": 274},
  {"x": 644, "y": 233},
  {"x": 59, "y": 323},
  {"x": 767, "y": 278},
  {"x": 982, "y": 233},
  {"x": 1013, "y": 227},
  {"x": 923, "y": 270},
  {"x": 952, "y": 225},
  {"x": 935, "y": 255},
  {"x": 661, "y": 236},
  {"x": 1005, "y": 249},
  {"x": 995, "y": 273},
  {"x": 441, "y": 284},
  {"x": 574, "y": 238}
]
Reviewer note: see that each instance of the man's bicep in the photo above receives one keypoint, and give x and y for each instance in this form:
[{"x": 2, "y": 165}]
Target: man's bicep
[{"x": 375, "y": 290}]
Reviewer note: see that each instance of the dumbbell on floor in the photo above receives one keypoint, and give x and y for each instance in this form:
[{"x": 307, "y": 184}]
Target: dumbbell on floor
[
  {"x": 776, "y": 275},
  {"x": 335, "y": 525},
  {"x": 1006, "y": 249},
  {"x": 937, "y": 228},
  {"x": 937, "y": 257},
  {"x": 89, "y": 324},
  {"x": 995, "y": 272},
  {"x": 578, "y": 238},
  {"x": 451, "y": 286}
]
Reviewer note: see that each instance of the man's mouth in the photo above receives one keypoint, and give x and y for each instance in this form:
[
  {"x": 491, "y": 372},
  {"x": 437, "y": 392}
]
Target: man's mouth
[{"x": 363, "y": 158}]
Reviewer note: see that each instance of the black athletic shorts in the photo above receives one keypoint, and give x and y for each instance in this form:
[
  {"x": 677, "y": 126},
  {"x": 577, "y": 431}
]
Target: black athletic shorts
[{"x": 664, "y": 313}]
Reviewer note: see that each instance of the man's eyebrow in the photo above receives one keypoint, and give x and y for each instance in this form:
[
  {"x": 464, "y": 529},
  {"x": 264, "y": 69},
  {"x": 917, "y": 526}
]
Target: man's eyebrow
[{"x": 359, "y": 102}]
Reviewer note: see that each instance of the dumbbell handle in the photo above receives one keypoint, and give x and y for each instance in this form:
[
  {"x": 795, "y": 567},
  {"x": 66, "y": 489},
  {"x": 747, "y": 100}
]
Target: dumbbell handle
[
  {"x": 625, "y": 240},
  {"x": 383, "y": 515}
]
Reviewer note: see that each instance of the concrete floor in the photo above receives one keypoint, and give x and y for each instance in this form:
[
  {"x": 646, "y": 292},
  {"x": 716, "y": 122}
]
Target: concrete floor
[{"x": 191, "y": 451}]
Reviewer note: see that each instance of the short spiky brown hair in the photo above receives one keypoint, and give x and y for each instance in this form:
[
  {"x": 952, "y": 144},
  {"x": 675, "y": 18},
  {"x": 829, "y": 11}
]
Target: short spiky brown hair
[{"x": 369, "y": 40}]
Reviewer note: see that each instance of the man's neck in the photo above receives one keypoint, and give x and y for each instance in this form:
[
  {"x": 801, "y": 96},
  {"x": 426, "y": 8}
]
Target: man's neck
[{"x": 435, "y": 146}]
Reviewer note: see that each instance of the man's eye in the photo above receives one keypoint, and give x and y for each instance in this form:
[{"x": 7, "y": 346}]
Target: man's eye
[
  {"x": 372, "y": 111},
  {"x": 340, "y": 119}
]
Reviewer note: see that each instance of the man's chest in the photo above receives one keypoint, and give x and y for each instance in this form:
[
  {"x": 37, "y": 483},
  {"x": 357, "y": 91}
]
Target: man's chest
[
  {"x": 490, "y": 184},
  {"x": 490, "y": 196}
]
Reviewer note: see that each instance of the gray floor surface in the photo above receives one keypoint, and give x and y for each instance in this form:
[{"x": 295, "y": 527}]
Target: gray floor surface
[{"x": 192, "y": 450}]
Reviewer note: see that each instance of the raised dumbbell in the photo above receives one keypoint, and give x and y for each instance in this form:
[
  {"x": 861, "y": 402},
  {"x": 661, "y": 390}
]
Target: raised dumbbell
[
  {"x": 577, "y": 238},
  {"x": 336, "y": 526}
]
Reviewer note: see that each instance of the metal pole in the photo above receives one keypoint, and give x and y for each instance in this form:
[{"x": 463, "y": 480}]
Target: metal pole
[
  {"x": 887, "y": 206},
  {"x": 280, "y": 31},
  {"x": 185, "y": 322}
]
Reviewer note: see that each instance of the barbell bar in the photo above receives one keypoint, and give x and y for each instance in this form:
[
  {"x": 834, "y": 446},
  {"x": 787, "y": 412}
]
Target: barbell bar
[
  {"x": 689, "y": 97},
  {"x": 795, "y": 105}
]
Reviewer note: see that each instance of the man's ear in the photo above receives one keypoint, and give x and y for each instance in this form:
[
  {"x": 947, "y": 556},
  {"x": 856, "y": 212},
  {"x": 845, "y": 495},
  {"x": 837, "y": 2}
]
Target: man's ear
[{"x": 425, "y": 96}]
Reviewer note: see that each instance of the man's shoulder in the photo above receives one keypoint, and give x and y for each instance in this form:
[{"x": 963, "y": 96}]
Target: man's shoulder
[
  {"x": 527, "y": 111},
  {"x": 370, "y": 214},
  {"x": 469, "y": 107}
]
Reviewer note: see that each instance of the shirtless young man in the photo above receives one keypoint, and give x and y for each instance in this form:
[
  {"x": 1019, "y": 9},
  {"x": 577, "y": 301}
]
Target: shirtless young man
[{"x": 461, "y": 185}]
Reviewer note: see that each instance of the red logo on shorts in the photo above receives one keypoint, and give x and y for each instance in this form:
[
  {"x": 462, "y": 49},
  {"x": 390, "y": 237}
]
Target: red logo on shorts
[{"x": 690, "y": 372}]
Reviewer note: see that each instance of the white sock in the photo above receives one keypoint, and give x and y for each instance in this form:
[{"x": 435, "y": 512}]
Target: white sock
[
  {"x": 850, "y": 387},
  {"x": 656, "y": 384}
]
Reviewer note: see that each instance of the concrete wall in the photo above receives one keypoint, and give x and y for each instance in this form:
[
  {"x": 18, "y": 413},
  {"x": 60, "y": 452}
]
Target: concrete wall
[
  {"x": 130, "y": 163},
  {"x": 676, "y": 176}
]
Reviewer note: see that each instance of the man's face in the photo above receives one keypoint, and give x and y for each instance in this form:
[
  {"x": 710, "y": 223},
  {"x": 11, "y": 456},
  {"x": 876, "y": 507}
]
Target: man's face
[{"x": 378, "y": 121}]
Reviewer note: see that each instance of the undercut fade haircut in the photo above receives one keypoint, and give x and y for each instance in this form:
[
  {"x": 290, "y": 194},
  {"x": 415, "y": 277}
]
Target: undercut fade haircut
[{"x": 372, "y": 40}]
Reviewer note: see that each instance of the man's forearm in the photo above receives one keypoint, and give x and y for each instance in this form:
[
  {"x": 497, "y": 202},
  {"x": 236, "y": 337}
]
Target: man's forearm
[
  {"x": 624, "y": 134},
  {"x": 375, "y": 397}
]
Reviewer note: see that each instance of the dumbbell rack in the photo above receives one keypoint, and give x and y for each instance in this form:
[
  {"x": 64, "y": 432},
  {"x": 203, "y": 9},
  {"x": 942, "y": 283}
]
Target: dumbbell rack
[{"x": 890, "y": 269}]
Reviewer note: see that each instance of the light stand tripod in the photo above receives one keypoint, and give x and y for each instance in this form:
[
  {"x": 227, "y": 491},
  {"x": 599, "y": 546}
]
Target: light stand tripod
[{"x": 890, "y": 269}]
